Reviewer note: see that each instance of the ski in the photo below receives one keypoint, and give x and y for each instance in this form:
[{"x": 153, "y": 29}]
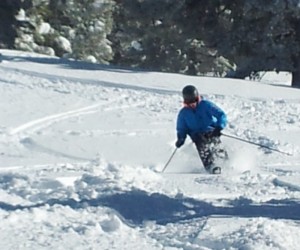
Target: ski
[{"x": 213, "y": 171}]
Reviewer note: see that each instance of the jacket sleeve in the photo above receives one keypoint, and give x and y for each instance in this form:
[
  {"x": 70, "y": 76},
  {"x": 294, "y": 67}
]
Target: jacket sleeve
[
  {"x": 219, "y": 114},
  {"x": 181, "y": 126}
]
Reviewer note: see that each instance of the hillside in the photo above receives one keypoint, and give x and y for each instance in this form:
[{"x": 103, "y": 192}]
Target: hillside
[{"x": 83, "y": 145}]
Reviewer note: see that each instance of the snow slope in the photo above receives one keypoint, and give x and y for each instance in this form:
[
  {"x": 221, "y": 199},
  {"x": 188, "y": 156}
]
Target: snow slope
[{"x": 83, "y": 145}]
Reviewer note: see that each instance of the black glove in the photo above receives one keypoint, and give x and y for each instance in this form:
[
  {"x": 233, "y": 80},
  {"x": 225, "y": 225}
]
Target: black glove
[
  {"x": 179, "y": 142},
  {"x": 216, "y": 132}
]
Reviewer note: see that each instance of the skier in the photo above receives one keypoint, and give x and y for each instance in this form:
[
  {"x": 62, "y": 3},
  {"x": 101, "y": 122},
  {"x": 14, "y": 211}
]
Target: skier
[{"x": 203, "y": 121}]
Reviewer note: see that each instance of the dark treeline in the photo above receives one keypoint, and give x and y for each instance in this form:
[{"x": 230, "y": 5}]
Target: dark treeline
[{"x": 236, "y": 38}]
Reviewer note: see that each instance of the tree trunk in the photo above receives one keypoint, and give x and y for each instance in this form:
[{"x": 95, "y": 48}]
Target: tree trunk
[
  {"x": 8, "y": 10},
  {"x": 296, "y": 79}
]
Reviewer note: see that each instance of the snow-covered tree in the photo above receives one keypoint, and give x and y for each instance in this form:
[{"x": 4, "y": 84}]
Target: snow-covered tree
[
  {"x": 86, "y": 24},
  {"x": 72, "y": 28}
]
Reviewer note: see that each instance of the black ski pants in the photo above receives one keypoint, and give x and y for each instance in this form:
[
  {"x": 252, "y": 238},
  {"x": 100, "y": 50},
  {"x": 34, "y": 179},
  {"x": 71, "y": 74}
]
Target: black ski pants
[{"x": 209, "y": 149}]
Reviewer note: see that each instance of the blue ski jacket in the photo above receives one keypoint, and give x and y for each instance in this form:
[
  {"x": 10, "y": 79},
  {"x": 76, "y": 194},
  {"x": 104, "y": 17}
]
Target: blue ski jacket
[{"x": 203, "y": 118}]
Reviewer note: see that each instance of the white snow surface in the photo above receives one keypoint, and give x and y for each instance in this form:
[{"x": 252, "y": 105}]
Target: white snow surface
[{"x": 83, "y": 145}]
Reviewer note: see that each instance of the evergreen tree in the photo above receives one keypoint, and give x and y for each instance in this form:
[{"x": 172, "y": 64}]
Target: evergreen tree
[
  {"x": 77, "y": 28},
  {"x": 86, "y": 23},
  {"x": 255, "y": 35},
  {"x": 149, "y": 34}
]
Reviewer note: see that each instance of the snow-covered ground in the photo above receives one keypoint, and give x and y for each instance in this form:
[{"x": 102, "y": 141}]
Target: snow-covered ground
[{"x": 82, "y": 148}]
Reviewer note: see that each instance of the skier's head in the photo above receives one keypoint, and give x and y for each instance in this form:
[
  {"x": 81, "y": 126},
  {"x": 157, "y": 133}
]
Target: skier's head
[{"x": 190, "y": 94}]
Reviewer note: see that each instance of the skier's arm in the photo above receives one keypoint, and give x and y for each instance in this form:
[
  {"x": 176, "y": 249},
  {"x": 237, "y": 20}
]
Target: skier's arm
[
  {"x": 219, "y": 114},
  {"x": 181, "y": 130}
]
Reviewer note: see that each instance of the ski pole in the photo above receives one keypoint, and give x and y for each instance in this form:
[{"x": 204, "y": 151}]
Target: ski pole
[
  {"x": 257, "y": 144},
  {"x": 169, "y": 160}
]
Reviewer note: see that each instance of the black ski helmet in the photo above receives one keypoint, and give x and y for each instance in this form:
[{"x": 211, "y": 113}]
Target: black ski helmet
[{"x": 190, "y": 94}]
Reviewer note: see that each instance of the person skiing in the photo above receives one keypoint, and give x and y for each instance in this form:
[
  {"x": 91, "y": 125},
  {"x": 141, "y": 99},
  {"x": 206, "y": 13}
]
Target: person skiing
[{"x": 203, "y": 122}]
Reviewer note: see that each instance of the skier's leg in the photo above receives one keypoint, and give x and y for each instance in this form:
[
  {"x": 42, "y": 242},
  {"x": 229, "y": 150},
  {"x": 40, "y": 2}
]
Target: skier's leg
[
  {"x": 210, "y": 150},
  {"x": 205, "y": 153},
  {"x": 219, "y": 151}
]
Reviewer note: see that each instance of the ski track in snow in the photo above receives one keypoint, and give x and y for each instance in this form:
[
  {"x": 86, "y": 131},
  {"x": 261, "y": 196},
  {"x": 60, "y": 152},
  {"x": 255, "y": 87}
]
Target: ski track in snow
[
  {"x": 125, "y": 197},
  {"x": 48, "y": 120},
  {"x": 42, "y": 123}
]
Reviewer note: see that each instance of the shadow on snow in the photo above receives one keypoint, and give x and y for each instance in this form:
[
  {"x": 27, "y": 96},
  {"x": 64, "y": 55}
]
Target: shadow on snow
[
  {"x": 137, "y": 206},
  {"x": 70, "y": 63},
  {"x": 84, "y": 66}
]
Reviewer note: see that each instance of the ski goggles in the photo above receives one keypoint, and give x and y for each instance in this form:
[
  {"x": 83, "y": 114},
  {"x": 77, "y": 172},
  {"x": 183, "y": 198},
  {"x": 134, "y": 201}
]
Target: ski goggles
[{"x": 192, "y": 103}]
